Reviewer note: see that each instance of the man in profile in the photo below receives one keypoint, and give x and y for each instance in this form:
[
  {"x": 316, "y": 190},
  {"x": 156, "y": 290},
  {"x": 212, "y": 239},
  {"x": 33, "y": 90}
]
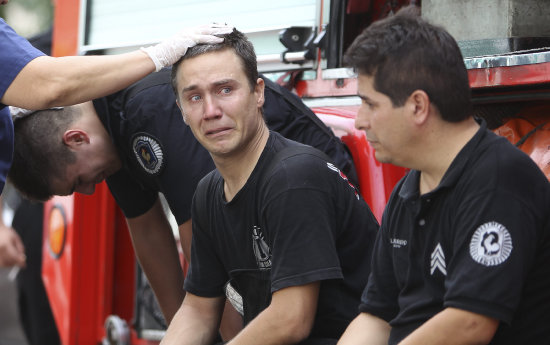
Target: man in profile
[{"x": 464, "y": 244}]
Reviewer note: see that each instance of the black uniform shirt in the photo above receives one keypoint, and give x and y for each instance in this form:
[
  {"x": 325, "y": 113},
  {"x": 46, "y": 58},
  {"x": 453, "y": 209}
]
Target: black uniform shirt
[
  {"x": 478, "y": 242},
  {"x": 160, "y": 153},
  {"x": 301, "y": 223}
]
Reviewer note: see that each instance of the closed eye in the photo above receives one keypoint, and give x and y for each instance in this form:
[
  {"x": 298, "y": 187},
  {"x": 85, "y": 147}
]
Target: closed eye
[{"x": 368, "y": 103}]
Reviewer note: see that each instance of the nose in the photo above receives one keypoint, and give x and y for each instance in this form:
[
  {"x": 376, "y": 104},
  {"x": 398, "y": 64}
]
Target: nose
[
  {"x": 362, "y": 121},
  {"x": 211, "y": 108}
]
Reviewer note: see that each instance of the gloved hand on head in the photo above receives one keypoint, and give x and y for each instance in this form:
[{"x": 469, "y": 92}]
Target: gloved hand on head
[
  {"x": 169, "y": 51},
  {"x": 19, "y": 113}
]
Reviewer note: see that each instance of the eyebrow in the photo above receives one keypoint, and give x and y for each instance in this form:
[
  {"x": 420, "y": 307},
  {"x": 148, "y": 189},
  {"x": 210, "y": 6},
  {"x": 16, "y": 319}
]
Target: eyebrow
[{"x": 217, "y": 83}]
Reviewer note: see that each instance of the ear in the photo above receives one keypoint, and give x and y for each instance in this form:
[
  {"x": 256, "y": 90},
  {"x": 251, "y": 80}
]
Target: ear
[
  {"x": 74, "y": 138},
  {"x": 181, "y": 110},
  {"x": 259, "y": 91},
  {"x": 418, "y": 105}
]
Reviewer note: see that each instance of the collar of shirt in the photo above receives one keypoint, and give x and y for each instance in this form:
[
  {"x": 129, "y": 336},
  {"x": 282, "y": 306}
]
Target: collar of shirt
[{"x": 410, "y": 188}]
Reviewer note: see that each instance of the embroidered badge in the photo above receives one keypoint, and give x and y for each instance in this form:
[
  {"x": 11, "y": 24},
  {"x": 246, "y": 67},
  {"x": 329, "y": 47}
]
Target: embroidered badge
[
  {"x": 398, "y": 243},
  {"x": 148, "y": 153},
  {"x": 491, "y": 244},
  {"x": 262, "y": 252},
  {"x": 438, "y": 260}
]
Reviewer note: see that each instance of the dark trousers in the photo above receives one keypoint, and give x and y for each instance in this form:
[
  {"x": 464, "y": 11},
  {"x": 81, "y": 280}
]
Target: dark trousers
[{"x": 34, "y": 308}]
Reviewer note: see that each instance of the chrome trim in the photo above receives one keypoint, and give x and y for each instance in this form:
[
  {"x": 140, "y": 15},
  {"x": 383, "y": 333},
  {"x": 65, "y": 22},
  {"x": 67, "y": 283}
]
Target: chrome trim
[
  {"x": 332, "y": 101},
  {"x": 338, "y": 73},
  {"x": 516, "y": 59},
  {"x": 152, "y": 334}
]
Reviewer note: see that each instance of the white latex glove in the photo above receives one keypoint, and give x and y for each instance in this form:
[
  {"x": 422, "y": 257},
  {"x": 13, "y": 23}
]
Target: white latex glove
[{"x": 169, "y": 51}]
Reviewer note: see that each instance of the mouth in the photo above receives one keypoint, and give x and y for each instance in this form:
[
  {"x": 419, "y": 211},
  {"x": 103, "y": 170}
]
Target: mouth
[{"x": 217, "y": 131}]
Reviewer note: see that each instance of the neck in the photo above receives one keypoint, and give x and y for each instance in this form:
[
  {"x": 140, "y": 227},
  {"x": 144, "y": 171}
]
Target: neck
[
  {"x": 444, "y": 144},
  {"x": 237, "y": 168}
]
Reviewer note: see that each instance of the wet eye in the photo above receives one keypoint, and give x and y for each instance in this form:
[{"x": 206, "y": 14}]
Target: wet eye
[{"x": 195, "y": 98}]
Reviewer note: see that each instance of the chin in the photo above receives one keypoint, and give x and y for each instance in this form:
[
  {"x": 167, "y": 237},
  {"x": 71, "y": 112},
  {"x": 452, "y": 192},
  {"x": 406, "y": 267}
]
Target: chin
[{"x": 381, "y": 158}]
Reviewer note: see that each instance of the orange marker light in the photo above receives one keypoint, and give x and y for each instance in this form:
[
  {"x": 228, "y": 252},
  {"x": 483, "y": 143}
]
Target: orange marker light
[{"x": 56, "y": 231}]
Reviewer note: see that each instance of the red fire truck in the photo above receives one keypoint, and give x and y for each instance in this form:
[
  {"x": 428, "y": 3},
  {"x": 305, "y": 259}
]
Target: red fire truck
[{"x": 97, "y": 292}]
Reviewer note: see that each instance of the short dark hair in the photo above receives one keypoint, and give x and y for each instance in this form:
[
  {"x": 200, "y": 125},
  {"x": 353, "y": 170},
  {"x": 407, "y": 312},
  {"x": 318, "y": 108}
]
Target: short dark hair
[
  {"x": 238, "y": 42},
  {"x": 40, "y": 154},
  {"x": 404, "y": 53}
]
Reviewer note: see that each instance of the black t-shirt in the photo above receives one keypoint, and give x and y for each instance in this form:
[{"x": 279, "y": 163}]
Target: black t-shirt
[
  {"x": 478, "y": 242},
  {"x": 160, "y": 153},
  {"x": 303, "y": 223}
]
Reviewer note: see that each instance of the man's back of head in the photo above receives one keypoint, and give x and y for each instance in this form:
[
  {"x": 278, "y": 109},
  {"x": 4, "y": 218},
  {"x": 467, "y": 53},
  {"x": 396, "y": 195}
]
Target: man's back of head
[{"x": 39, "y": 152}]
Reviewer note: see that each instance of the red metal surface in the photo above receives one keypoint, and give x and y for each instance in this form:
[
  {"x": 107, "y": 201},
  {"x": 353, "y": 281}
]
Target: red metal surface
[
  {"x": 80, "y": 282},
  {"x": 326, "y": 87},
  {"x": 522, "y": 75},
  {"x": 65, "y": 28},
  {"x": 58, "y": 273}
]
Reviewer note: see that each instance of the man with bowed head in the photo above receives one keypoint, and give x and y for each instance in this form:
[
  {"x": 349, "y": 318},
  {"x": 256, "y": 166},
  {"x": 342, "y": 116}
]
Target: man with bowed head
[
  {"x": 464, "y": 244},
  {"x": 277, "y": 228},
  {"x": 30, "y": 79}
]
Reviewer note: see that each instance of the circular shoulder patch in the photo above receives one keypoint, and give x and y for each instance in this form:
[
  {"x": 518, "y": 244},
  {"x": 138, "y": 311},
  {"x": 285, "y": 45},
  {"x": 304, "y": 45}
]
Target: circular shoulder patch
[
  {"x": 148, "y": 153},
  {"x": 491, "y": 244}
]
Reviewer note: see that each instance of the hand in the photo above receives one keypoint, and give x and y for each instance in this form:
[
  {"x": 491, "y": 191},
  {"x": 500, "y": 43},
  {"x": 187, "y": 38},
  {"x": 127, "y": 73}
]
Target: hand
[
  {"x": 12, "y": 251},
  {"x": 168, "y": 52}
]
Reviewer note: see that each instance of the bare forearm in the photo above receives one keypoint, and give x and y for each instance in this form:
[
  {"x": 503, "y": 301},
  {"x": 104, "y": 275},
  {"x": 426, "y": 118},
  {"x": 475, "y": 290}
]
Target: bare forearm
[
  {"x": 195, "y": 323},
  {"x": 287, "y": 320},
  {"x": 75, "y": 79},
  {"x": 267, "y": 328},
  {"x": 157, "y": 253},
  {"x": 454, "y": 327},
  {"x": 366, "y": 329},
  {"x": 165, "y": 277}
]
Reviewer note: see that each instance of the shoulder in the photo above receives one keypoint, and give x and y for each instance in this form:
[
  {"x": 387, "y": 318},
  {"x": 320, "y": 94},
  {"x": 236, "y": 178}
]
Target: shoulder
[
  {"x": 500, "y": 170},
  {"x": 208, "y": 184},
  {"x": 153, "y": 95},
  {"x": 295, "y": 153},
  {"x": 204, "y": 195},
  {"x": 15, "y": 53},
  {"x": 148, "y": 105},
  {"x": 154, "y": 87},
  {"x": 297, "y": 164},
  {"x": 498, "y": 160},
  {"x": 14, "y": 45}
]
